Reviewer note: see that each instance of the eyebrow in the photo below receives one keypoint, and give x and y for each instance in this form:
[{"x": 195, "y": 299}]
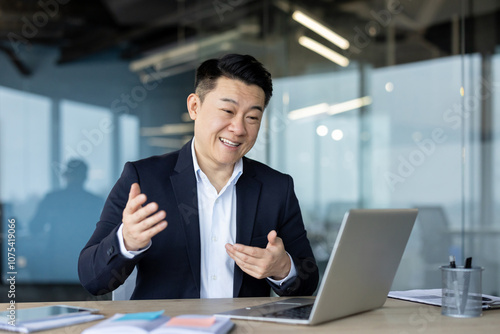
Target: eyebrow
[{"x": 225, "y": 99}]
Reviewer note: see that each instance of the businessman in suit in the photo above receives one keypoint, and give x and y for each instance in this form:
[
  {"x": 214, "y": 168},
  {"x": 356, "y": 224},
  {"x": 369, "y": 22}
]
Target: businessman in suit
[{"x": 205, "y": 221}]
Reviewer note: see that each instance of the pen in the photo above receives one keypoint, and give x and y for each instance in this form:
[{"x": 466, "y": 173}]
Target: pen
[
  {"x": 468, "y": 265},
  {"x": 452, "y": 262},
  {"x": 455, "y": 283}
]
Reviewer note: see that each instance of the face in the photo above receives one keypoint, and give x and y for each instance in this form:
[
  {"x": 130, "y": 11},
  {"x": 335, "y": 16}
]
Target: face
[{"x": 226, "y": 123}]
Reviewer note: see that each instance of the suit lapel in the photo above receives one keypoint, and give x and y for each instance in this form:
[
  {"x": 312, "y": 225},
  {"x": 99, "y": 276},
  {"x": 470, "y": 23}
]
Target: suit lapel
[
  {"x": 247, "y": 197},
  {"x": 184, "y": 186}
]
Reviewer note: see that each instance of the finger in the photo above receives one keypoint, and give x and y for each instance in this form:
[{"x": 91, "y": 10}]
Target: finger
[
  {"x": 135, "y": 203},
  {"x": 135, "y": 199},
  {"x": 140, "y": 240},
  {"x": 156, "y": 229},
  {"x": 234, "y": 254},
  {"x": 145, "y": 212},
  {"x": 271, "y": 237},
  {"x": 245, "y": 258},
  {"x": 250, "y": 251},
  {"x": 151, "y": 221},
  {"x": 275, "y": 244},
  {"x": 135, "y": 189},
  {"x": 248, "y": 267},
  {"x": 240, "y": 259}
]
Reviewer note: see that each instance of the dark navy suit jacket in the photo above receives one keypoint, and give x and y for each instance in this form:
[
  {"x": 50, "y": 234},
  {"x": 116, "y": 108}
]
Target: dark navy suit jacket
[{"x": 170, "y": 268}]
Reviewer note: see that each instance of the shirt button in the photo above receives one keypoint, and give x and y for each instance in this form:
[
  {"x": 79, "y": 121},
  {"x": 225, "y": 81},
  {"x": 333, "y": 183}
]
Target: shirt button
[
  {"x": 214, "y": 277},
  {"x": 214, "y": 238}
]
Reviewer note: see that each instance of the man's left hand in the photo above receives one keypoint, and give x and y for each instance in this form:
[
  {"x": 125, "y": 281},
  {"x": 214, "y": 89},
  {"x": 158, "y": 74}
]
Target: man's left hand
[{"x": 271, "y": 261}]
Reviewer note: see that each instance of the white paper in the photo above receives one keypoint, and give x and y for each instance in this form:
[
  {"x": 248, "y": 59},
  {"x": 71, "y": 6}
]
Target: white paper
[{"x": 433, "y": 297}]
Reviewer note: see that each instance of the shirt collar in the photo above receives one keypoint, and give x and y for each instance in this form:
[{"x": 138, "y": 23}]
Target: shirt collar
[{"x": 237, "y": 170}]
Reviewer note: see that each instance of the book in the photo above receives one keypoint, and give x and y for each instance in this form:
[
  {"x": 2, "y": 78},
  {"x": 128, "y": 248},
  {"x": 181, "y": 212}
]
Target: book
[
  {"x": 193, "y": 323},
  {"x": 45, "y": 317},
  {"x": 157, "y": 323}
]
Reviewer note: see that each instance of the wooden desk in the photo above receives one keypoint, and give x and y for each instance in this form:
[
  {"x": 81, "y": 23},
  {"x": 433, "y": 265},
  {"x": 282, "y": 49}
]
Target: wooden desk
[{"x": 396, "y": 316}]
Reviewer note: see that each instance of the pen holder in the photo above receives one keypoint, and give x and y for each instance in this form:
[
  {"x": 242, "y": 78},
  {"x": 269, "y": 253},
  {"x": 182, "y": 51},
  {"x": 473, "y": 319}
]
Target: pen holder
[{"x": 461, "y": 292}]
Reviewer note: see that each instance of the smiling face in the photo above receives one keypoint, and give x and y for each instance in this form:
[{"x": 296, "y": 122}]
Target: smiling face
[{"x": 227, "y": 123}]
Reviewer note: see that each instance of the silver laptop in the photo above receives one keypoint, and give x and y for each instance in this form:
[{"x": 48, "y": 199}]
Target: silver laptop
[{"x": 358, "y": 276}]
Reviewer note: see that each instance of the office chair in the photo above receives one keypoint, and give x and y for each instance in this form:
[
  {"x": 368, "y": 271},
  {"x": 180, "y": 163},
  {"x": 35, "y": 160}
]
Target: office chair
[{"x": 124, "y": 291}]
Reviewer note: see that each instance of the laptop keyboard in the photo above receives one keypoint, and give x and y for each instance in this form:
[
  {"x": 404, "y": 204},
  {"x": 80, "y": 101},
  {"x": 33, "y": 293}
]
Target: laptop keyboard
[{"x": 301, "y": 312}]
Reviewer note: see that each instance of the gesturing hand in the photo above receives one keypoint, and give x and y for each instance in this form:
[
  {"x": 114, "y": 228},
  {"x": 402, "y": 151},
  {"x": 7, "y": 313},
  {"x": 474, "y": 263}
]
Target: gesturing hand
[
  {"x": 271, "y": 261},
  {"x": 140, "y": 223}
]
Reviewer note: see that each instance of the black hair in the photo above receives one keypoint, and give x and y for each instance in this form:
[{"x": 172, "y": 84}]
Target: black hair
[{"x": 233, "y": 66}]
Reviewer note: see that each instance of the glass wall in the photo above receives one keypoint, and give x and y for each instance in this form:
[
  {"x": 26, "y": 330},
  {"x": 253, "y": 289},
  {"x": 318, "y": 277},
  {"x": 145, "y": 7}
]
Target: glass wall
[
  {"x": 405, "y": 115},
  {"x": 53, "y": 223},
  {"x": 410, "y": 122}
]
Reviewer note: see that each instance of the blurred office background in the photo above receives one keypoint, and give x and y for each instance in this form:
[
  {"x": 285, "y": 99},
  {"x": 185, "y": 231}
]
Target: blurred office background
[{"x": 396, "y": 110}]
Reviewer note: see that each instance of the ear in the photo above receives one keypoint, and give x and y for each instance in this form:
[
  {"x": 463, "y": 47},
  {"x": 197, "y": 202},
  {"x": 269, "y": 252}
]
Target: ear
[{"x": 193, "y": 105}]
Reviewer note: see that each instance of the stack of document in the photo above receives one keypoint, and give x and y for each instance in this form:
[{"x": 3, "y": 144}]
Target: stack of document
[{"x": 433, "y": 297}]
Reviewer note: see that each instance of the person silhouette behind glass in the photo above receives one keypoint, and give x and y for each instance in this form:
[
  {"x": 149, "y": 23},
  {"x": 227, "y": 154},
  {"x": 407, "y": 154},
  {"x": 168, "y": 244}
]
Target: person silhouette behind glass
[{"x": 64, "y": 219}]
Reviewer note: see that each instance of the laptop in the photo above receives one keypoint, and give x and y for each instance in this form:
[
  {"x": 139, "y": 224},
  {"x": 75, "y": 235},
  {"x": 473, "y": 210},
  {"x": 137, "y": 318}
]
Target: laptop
[{"x": 359, "y": 273}]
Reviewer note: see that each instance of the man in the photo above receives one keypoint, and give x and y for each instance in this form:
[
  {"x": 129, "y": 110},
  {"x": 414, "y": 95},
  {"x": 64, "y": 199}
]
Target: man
[
  {"x": 234, "y": 225},
  {"x": 60, "y": 227}
]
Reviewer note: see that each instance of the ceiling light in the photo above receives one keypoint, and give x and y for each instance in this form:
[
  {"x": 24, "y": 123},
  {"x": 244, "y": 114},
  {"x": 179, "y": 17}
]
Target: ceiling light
[
  {"x": 337, "y": 134},
  {"x": 147, "y": 77},
  {"x": 168, "y": 129},
  {"x": 323, "y": 51},
  {"x": 191, "y": 50},
  {"x": 320, "y": 29},
  {"x": 389, "y": 87},
  {"x": 349, "y": 105},
  {"x": 317, "y": 109},
  {"x": 170, "y": 143},
  {"x": 324, "y": 108},
  {"x": 322, "y": 130}
]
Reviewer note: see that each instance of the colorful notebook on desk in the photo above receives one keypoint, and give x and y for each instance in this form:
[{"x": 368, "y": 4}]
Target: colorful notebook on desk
[{"x": 157, "y": 323}]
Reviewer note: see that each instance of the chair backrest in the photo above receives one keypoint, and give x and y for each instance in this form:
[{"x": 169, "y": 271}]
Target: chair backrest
[
  {"x": 124, "y": 291},
  {"x": 436, "y": 236}
]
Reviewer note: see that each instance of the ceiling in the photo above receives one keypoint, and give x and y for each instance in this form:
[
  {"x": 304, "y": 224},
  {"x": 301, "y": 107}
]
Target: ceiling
[{"x": 139, "y": 28}]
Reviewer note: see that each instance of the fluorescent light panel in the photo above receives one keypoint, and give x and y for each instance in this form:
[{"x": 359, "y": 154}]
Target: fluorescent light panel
[
  {"x": 324, "y": 108},
  {"x": 182, "y": 53},
  {"x": 320, "y": 29},
  {"x": 168, "y": 142},
  {"x": 323, "y": 51},
  {"x": 317, "y": 109},
  {"x": 168, "y": 129},
  {"x": 146, "y": 77},
  {"x": 349, "y": 105}
]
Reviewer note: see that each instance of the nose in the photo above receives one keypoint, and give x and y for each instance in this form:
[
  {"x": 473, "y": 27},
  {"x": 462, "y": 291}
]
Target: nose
[{"x": 237, "y": 126}]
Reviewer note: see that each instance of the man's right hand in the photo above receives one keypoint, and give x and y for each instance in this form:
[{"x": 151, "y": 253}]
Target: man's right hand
[{"x": 141, "y": 223}]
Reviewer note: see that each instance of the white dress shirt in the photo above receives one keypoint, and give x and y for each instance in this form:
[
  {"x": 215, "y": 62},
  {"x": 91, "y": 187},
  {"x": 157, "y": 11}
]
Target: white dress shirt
[
  {"x": 217, "y": 214},
  {"x": 217, "y": 219}
]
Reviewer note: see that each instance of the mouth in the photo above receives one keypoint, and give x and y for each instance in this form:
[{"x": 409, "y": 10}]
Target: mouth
[{"x": 229, "y": 143}]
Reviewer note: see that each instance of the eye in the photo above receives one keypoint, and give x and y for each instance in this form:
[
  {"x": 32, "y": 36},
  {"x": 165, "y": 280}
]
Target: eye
[{"x": 253, "y": 119}]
